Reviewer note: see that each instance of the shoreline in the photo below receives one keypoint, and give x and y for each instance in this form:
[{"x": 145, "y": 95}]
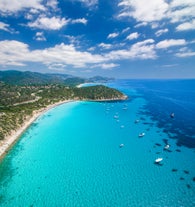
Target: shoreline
[{"x": 7, "y": 143}]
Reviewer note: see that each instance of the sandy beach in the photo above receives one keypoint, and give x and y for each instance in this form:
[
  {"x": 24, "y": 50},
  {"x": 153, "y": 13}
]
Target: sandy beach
[{"x": 10, "y": 140}]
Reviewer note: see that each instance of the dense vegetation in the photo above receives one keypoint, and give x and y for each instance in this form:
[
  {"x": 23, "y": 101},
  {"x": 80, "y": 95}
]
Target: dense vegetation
[
  {"x": 14, "y": 77},
  {"x": 19, "y": 102}
]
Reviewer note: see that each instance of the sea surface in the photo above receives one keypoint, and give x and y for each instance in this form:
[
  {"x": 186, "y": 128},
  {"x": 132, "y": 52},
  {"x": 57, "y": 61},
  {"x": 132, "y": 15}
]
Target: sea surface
[{"x": 71, "y": 155}]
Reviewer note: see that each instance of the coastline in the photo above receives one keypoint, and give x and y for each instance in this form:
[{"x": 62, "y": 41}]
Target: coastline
[
  {"x": 7, "y": 143},
  {"x": 11, "y": 139}
]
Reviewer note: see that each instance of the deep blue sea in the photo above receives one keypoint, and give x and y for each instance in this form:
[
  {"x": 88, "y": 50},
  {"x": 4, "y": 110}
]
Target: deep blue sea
[{"x": 71, "y": 155}]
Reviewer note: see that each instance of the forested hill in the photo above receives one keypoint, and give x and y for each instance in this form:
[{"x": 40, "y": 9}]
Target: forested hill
[
  {"x": 19, "y": 102},
  {"x": 14, "y": 77}
]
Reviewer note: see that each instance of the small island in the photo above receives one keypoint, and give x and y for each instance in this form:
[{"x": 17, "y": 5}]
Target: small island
[{"x": 22, "y": 102}]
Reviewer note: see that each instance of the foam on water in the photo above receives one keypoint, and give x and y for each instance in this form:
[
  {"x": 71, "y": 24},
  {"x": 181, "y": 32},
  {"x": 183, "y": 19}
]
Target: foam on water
[{"x": 71, "y": 157}]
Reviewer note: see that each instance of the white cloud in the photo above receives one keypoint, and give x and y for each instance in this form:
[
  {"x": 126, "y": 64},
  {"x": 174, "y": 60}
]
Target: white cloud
[
  {"x": 60, "y": 56},
  {"x": 52, "y": 3},
  {"x": 4, "y": 27},
  {"x": 186, "y": 26},
  {"x": 18, "y": 53},
  {"x": 13, "y": 53},
  {"x": 112, "y": 35},
  {"x": 170, "y": 43},
  {"x": 88, "y": 3},
  {"x": 57, "y": 66},
  {"x": 143, "y": 10},
  {"x": 12, "y": 6},
  {"x": 154, "y": 25},
  {"x": 53, "y": 23},
  {"x": 109, "y": 65},
  {"x": 141, "y": 24},
  {"x": 132, "y": 36},
  {"x": 40, "y": 36},
  {"x": 105, "y": 46},
  {"x": 81, "y": 20},
  {"x": 161, "y": 31},
  {"x": 106, "y": 66},
  {"x": 126, "y": 29},
  {"x": 181, "y": 10},
  {"x": 186, "y": 54},
  {"x": 140, "y": 50}
]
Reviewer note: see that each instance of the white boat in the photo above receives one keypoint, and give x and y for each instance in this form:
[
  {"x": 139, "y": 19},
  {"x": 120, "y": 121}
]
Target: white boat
[
  {"x": 167, "y": 147},
  {"x": 137, "y": 121},
  {"x": 158, "y": 160},
  {"x": 121, "y": 145},
  {"x": 141, "y": 134}
]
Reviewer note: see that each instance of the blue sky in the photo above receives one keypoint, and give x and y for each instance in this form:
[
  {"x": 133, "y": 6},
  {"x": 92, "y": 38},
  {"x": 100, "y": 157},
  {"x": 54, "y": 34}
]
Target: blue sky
[{"x": 120, "y": 38}]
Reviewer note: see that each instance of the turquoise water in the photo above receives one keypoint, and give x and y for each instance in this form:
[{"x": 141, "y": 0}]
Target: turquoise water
[{"x": 71, "y": 157}]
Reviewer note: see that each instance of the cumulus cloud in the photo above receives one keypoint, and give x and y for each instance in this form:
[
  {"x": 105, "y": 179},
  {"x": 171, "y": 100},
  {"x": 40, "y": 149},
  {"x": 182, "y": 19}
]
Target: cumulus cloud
[
  {"x": 13, "y": 6},
  {"x": 186, "y": 26},
  {"x": 81, "y": 20},
  {"x": 152, "y": 12},
  {"x": 52, "y": 3},
  {"x": 182, "y": 10},
  {"x": 105, "y": 46},
  {"x": 61, "y": 55},
  {"x": 140, "y": 50},
  {"x": 185, "y": 52},
  {"x": 4, "y": 27},
  {"x": 88, "y": 3},
  {"x": 39, "y": 36},
  {"x": 161, "y": 31},
  {"x": 170, "y": 43},
  {"x": 142, "y": 24},
  {"x": 106, "y": 66},
  {"x": 13, "y": 53},
  {"x": 143, "y": 10},
  {"x": 132, "y": 36},
  {"x": 126, "y": 29},
  {"x": 53, "y": 23},
  {"x": 18, "y": 53},
  {"x": 113, "y": 35}
]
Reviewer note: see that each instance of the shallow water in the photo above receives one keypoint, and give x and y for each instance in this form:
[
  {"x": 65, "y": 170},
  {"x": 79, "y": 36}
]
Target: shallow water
[{"x": 71, "y": 157}]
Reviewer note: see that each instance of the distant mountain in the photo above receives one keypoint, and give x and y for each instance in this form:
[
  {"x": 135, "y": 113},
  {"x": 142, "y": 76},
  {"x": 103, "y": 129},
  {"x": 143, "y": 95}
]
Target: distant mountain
[
  {"x": 33, "y": 78},
  {"x": 14, "y": 77},
  {"x": 100, "y": 79}
]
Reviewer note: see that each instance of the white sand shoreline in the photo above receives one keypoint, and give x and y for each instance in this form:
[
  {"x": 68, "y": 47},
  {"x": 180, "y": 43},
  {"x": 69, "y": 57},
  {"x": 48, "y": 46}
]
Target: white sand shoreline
[{"x": 9, "y": 141}]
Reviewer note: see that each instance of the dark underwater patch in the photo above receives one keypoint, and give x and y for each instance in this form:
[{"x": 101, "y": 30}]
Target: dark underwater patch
[{"x": 157, "y": 144}]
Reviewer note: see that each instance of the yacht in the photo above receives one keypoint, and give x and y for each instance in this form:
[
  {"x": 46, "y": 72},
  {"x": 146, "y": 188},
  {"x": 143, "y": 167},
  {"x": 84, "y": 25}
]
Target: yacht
[
  {"x": 167, "y": 147},
  {"x": 141, "y": 134},
  {"x": 121, "y": 145},
  {"x": 158, "y": 160},
  {"x": 172, "y": 115}
]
